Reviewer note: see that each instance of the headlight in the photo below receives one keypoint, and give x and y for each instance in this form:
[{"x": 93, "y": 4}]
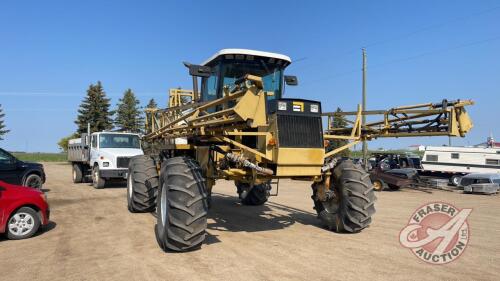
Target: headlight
[
  {"x": 281, "y": 105},
  {"x": 105, "y": 164},
  {"x": 314, "y": 108}
]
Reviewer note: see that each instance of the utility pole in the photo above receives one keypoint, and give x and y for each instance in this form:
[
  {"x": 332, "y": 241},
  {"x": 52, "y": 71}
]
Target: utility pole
[{"x": 363, "y": 122}]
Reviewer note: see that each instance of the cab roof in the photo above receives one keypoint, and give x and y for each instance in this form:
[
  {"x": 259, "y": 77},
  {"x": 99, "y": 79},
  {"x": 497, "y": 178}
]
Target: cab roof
[{"x": 256, "y": 53}]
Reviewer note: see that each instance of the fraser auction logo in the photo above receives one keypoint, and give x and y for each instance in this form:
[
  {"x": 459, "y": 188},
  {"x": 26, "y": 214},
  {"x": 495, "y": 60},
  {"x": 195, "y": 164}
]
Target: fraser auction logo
[{"x": 437, "y": 232}]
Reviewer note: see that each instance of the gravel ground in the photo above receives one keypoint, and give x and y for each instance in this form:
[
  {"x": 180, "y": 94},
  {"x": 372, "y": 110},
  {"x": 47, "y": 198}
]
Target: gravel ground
[{"x": 92, "y": 236}]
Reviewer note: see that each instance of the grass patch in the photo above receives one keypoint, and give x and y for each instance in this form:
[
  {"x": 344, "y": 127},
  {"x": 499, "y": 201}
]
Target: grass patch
[{"x": 41, "y": 157}]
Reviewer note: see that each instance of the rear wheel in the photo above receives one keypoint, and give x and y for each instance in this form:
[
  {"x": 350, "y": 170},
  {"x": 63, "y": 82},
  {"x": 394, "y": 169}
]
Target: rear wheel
[
  {"x": 455, "y": 180},
  {"x": 77, "y": 173},
  {"x": 142, "y": 184},
  {"x": 33, "y": 181},
  {"x": 350, "y": 204},
  {"x": 97, "y": 181},
  {"x": 23, "y": 224},
  {"x": 181, "y": 206},
  {"x": 258, "y": 195}
]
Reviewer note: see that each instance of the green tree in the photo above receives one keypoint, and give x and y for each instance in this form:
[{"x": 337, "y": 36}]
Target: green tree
[
  {"x": 128, "y": 113},
  {"x": 339, "y": 122},
  {"x": 63, "y": 143},
  {"x": 152, "y": 104},
  {"x": 3, "y": 130},
  {"x": 94, "y": 109}
]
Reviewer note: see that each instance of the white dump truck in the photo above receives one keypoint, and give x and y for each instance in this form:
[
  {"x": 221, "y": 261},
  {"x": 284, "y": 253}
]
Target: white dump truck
[{"x": 102, "y": 156}]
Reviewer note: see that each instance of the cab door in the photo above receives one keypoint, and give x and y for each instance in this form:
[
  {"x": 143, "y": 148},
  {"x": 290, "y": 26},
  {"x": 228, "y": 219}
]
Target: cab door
[
  {"x": 8, "y": 168},
  {"x": 94, "y": 153}
]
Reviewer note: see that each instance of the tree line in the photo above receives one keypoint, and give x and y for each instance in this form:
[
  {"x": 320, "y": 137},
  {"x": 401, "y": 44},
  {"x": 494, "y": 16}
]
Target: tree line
[{"x": 95, "y": 109}]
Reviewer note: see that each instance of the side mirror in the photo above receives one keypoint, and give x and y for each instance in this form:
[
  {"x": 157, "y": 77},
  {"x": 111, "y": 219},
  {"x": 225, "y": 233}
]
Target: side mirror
[
  {"x": 198, "y": 70},
  {"x": 291, "y": 80}
]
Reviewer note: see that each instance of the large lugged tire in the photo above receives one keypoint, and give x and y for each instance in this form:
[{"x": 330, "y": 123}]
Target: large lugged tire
[
  {"x": 77, "y": 173},
  {"x": 142, "y": 184},
  {"x": 352, "y": 205},
  {"x": 258, "y": 195},
  {"x": 182, "y": 205}
]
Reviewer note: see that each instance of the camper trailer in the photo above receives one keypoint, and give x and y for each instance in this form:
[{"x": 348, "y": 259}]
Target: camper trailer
[{"x": 456, "y": 162}]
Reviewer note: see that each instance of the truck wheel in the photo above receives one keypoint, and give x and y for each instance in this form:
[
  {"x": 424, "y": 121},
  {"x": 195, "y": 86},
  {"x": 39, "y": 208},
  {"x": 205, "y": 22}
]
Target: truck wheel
[
  {"x": 379, "y": 185},
  {"x": 97, "y": 181},
  {"x": 351, "y": 204},
  {"x": 77, "y": 173},
  {"x": 33, "y": 181},
  {"x": 142, "y": 184},
  {"x": 23, "y": 224},
  {"x": 258, "y": 195},
  {"x": 455, "y": 180},
  {"x": 181, "y": 206}
]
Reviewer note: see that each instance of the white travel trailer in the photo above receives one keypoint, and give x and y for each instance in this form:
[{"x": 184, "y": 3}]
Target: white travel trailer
[{"x": 459, "y": 161}]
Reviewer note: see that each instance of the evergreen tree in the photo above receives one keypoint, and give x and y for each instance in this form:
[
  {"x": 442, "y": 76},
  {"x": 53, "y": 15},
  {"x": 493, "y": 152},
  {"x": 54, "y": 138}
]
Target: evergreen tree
[
  {"x": 152, "y": 104},
  {"x": 128, "y": 113},
  {"x": 94, "y": 109},
  {"x": 3, "y": 130},
  {"x": 339, "y": 122}
]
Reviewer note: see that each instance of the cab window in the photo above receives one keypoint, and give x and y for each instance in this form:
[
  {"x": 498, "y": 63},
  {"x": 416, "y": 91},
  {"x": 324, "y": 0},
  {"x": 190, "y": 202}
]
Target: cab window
[
  {"x": 209, "y": 87},
  {"x": 94, "y": 141}
]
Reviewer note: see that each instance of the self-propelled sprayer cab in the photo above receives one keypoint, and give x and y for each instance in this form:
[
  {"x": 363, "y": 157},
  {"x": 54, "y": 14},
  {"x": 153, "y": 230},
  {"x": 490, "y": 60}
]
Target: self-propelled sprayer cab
[{"x": 228, "y": 65}]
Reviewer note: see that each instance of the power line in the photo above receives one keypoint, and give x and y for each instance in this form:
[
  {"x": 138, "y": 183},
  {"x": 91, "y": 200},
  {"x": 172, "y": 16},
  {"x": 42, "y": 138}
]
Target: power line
[
  {"x": 411, "y": 33},
  {"x": 464, "y": 45},
  {"x": 444, "y": 50},
  {"x": 430, "y": 27}
]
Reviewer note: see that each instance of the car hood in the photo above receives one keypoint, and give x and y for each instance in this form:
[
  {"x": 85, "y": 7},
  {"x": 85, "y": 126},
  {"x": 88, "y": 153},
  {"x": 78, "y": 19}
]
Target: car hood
[{"x": 31, "y": 164}]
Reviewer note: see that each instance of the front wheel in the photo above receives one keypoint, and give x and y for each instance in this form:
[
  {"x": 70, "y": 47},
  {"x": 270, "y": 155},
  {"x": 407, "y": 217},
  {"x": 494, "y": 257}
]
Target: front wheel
[
  {"x": 97, "y": 181},
  {"x": 182, "y": 205},
  {"x": 379, "y": 185},
  {"x": 349, "y": 206},
  {"x": 23, "y": 224}
]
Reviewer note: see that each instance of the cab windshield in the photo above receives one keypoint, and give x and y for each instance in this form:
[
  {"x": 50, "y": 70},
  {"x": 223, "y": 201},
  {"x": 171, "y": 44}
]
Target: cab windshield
[
  {"x": 226, "y": 71},
  {"x": 119, "y": 141},
  {"x": 271, "y": 74}
]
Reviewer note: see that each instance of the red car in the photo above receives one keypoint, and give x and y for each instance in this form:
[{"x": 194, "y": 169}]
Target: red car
[{"x": 22, "y": 210}]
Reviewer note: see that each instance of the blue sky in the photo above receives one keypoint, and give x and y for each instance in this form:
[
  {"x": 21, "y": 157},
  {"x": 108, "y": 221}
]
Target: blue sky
[{"x": 418, "y": 51}]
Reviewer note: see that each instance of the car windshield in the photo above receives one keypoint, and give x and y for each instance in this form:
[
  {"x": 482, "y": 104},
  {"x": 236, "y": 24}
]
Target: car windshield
[
  {"x": 271, "y": 74},
  {"x": 119, "y": 141},
  {"x": 5, "y": 157}
]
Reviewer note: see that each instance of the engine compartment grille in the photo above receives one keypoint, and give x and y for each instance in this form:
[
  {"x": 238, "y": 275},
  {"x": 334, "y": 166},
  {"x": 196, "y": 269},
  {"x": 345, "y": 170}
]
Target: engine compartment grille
[
  {"x": 300, "y": 131},
  {"x": 122, "y": 162}
]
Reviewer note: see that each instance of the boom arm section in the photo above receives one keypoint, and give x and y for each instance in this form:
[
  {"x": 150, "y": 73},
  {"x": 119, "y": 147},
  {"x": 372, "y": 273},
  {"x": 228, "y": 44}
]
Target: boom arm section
[
  {"x": 448, "y": 118},
  {"x": 242, "y": 107}
]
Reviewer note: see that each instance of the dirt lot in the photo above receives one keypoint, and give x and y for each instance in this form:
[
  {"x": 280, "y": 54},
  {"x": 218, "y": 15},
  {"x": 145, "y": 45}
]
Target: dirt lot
[{"x": 94, "y": 237}]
